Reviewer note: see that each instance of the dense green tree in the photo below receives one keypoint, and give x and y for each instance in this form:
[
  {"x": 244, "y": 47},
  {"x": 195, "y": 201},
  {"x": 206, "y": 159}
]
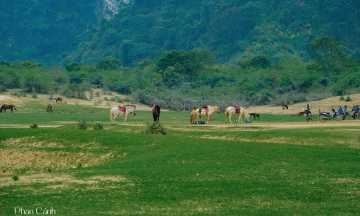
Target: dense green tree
[
  {"x": 329, "y": 55},
  {"x": 109, "y": 63},
  {"x": 73, "y": 67},
  {"x": 185, "y": 64}
]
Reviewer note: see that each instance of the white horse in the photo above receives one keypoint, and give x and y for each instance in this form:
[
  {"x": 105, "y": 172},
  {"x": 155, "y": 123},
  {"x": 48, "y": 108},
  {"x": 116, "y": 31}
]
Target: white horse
[
  {"x": 231, "y": 111},
  {"x": 195, "y": 113},
  {"x": 121, "y": 111}
]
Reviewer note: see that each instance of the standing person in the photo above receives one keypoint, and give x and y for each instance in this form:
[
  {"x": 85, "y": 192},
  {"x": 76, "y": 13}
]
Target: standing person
[{"x": 307, "y": 110}]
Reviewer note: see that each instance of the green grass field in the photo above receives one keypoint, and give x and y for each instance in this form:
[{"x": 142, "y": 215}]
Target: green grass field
[{"x": 217, "y": 169}]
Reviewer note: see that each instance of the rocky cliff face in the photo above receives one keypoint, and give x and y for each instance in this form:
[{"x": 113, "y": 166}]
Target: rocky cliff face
[{"x": 111, "y": 7}]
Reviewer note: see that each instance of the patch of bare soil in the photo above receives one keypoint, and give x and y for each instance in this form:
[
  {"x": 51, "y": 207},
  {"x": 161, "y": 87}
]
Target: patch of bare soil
[
  {"x": 66, "y": 180},
  {"x": 98, "y": 99},
  {"x": 14, "y": 160},
  {"x": 324, "y": 105}
]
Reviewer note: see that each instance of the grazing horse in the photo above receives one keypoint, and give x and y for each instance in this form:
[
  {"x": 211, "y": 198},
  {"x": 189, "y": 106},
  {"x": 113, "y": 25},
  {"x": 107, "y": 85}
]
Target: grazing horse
[
  {"x": 192, "y": 116},
  {"x": 284, "y": 106},
  {"x": 232, "y": 111},
  {"x": 7, "y": 106},
  {"x": 156, "y": 112},
  {"x": 59, "y": 99},
  {"x": 195, "y": 114},
  {"x": 122, "y": 111},
  {"x": 298, "y": 114},
  {"x": 49, "y": 108},
  {"x": 255, "y": 115}
]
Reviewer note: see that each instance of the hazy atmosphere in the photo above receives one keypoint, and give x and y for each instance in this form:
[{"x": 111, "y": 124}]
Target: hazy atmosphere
[{"x": 65, "y": 65}]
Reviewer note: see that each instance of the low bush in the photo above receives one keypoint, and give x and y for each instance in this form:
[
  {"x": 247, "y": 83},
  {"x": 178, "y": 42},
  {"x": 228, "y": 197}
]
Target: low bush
[
  {"x": 82, "y": 125},
  {"x": 98, "y": 126},
  {"x": 34, "y": 126},
  {"x": 155, "y": 128},
  {"x": 348, "y": 98},
  {"x": 15, "y": 177}
]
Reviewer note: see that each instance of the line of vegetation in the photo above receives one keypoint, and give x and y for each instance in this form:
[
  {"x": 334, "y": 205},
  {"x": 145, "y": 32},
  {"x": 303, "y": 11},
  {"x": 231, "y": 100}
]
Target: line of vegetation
[{"x": 180, "y": 78}]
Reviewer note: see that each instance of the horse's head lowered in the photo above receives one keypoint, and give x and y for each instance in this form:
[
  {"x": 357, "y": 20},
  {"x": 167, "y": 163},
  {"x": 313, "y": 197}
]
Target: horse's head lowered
[
  {"x": 216, "y": 109},
  {"x": 131, "y": 109}
]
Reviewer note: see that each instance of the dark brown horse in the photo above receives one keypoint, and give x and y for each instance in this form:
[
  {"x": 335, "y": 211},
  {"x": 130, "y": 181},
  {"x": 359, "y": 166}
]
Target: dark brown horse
[
  {"x": 49, "y": 108},
  {"x": 59, "y": 99},
  {"x": 298, "y": 114},
  {"x": 156, "y": 112},
  {"x": 7, "y": 106},
  {"x": 284, "y": 106},
  {"x": 255, "y": 115}
]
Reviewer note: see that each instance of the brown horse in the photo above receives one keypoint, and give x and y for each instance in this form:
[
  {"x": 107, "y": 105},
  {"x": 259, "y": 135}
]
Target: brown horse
[
  {"x": 49, "y": 108},
  {"x": 192, "y": 116},
  {"x": 156, "y": 112},
  {"x": 255, "y": 115},
  {"x": 59, "y": 99},
  {"x": 299, "y": 114},
  {"x": 284, "y": 106},
  {"x": 7, "y": 106}
]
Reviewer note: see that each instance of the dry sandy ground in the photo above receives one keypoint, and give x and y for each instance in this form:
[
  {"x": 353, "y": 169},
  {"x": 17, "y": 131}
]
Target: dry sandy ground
[
  {"x": 324, "y": 105},
  {"x": 94, "y": 102}
]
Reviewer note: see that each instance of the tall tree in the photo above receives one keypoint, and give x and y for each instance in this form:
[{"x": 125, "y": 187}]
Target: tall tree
[{"x": 329, "y": 55}]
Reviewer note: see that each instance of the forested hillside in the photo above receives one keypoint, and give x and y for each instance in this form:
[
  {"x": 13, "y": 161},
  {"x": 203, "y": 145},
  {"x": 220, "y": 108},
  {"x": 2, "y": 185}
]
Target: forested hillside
[
  {"x": 180, "y": 53},
  {"x": 232, "y": 30},
  {"x": 44, "y": 31}
]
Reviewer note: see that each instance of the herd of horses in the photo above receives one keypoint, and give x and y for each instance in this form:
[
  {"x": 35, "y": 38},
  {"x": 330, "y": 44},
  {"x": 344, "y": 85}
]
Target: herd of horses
[{"x": 196, "y": 112}]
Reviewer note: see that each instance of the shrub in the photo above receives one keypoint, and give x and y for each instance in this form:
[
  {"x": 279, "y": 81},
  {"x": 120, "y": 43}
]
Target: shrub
[
  {"x": 155, "y": 128},
  {"x": 82, "y": 125},
  {"x": 341, "y": 97},
  {"x": 34, "y": 96},
  {"x": 16, "y": 170},
  {"x": 34, "y": 126},
  {"x": 348, "y": 98},
  {"x": 15, "y": 177},
  {"x": 79, "y": 165},
  {"x": 98, "y": 126}
]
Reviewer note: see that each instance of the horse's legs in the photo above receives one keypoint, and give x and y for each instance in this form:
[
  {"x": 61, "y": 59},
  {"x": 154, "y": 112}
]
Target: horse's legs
[
  {"x": 196, "y": 118},
  {"x": 114, "y": 117}
]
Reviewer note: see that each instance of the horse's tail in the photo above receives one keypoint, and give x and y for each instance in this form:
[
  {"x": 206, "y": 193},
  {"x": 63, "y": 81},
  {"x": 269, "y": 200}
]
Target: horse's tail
[
  {"x": 111, "y": 115},
  {"x": 191, "y": 119},
  {"x": 226, "y": 114},
  {"x": 15, "y": 108}
]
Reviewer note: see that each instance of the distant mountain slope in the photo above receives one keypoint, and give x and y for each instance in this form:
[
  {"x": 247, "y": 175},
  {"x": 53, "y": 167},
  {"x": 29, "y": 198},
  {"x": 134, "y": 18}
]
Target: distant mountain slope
[
  {"x": 42, "y": 30},
  {"x": 51, "y": 32},
  {"x": 231, "y": 29}
]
